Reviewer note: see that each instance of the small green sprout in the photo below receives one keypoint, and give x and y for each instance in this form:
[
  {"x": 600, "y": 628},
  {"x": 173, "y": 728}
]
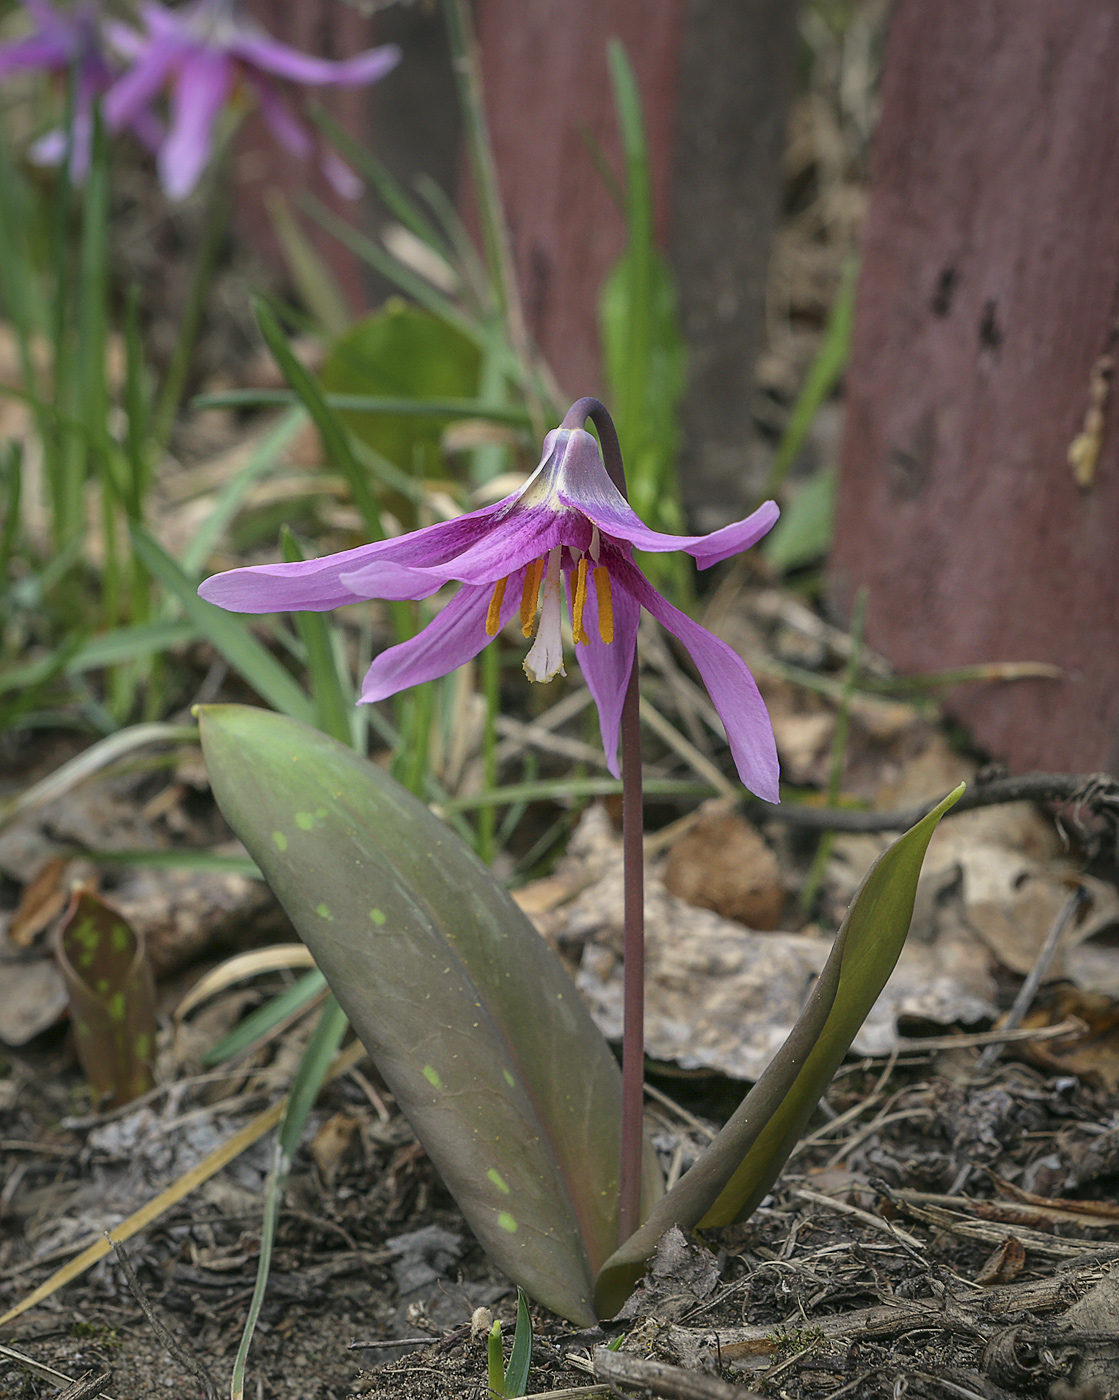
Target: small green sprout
[{"x": 508, "y": 1382}]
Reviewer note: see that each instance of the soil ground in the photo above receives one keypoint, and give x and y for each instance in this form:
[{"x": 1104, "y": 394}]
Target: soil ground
[{"x": 860, "y": 1275}]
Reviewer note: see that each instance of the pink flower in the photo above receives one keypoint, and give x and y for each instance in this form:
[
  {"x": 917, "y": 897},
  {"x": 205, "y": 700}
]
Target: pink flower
[
  {"x": 65, "y": 43},
  {"x": 201, "y": 51},
  {"x": 568, "y": 528}
]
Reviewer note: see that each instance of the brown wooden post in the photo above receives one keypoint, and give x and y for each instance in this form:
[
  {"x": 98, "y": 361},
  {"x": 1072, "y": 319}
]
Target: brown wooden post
[
  {"x": 736, "y": 76},
  {"x": 989, "y": 292},
  {"x": 549, "y": 102}
]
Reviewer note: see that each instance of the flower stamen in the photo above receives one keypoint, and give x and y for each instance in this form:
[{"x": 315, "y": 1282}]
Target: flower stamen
[
  {"x": 605, "y": 603},
  {"x": 493, "y": 617},
  {"x": 545, "y": 659},
  {"x": 579, "y": 602},
  {"x": 530, "y": 595}
]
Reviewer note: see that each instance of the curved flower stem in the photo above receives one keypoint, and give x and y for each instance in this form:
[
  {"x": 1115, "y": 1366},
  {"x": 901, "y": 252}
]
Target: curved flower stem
[{"x": 633, "y": 865}]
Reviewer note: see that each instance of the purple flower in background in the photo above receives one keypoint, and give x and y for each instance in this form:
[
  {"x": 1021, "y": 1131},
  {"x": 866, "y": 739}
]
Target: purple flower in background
[
  {"x": 567, "y": 526},
  {"x": 63, "y": 43},
  {"x": 202, "y": 51}
]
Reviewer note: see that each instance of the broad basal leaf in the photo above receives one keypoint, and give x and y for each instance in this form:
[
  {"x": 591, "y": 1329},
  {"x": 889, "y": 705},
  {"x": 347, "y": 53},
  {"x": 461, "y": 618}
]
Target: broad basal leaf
[
  {"x": 735, "y": 1172},
  {"x": 474, "y": 1024}
]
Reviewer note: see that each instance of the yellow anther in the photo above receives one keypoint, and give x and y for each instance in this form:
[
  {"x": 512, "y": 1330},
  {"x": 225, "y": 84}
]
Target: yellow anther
[
  {"x": 530, "y": 596},
  {"x": 605, "y": 603},
  {"x": 493, "y": 617},
  {"x": 579, "y": 602}
]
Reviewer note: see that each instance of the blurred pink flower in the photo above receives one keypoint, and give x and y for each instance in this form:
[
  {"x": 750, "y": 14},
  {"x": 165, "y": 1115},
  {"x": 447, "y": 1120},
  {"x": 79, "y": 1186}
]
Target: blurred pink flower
[
  {"x": 64, "y": 43},
  {"x": 201, "y": 52}
]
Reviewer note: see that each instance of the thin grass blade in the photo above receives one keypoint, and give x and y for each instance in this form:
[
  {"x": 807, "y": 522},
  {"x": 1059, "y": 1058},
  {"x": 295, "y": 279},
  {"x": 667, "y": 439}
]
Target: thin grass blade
[
  {"x": 226, "y": 633},
  {"x": 309, "y": 1079},
  {"x": 335, "y": 441}
]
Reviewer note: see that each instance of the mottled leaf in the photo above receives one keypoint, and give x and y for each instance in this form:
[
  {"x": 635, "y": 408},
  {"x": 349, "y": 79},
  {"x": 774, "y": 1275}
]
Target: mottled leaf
[
  {"x": 734, "y": 1173},
  {"x": 474, "y": 1024},
  {"x": 112, "y": 999}
]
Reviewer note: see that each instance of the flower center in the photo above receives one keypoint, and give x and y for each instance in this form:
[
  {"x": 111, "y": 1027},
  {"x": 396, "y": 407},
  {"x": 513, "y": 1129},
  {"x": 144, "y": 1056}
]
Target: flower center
[{"x": 545, "y": 657}]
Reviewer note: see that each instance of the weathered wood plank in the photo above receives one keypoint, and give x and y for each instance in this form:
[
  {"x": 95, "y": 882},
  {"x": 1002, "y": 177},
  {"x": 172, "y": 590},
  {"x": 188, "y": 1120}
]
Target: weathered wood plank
[{"x": 989, "y": 290}]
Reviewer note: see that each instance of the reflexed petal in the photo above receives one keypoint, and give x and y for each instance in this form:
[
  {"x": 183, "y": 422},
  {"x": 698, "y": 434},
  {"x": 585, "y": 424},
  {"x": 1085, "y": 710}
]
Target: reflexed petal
[
  {"x": 128, "y": 42},
  {"x": 50, "y": 149},
  {"x": 49, "y": 51},
  {"x": 314, "y": 585},
  {"x": 162, "y": 22},
  {"x": 288, "y": 130},
  {"x": 580, "y": 481},
  {"x": 521, "y": 535},
  {"x": 204, "y": 82},
  {"x": 143, "y": 81},
  {"x": 734, "y": 538},
  {"x": 311, "y": 585},
  {"x": 385, "y": 579},
  {"x": 454, "y": 636},
  {"x": 271, "y": 56},
  {"x": 727, "y": 678},
  {"x": 342, "y": 180},
  {"x": 606, "y": 666}
]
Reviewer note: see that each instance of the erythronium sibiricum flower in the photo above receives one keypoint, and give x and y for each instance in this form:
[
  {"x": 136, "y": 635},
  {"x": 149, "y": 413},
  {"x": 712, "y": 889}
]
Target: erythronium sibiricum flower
[
  {"x": 568, "y": 528},
  {"x": 203, "y": 51},
  {"x": 67, "y": 43}
]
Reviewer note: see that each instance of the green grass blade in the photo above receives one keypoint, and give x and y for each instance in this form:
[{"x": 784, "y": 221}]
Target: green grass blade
[
  {"x": 418, "y": 288},
  {"x": 90, "y": 761},
  {"x": 226, "y": 633},
  {"x": 137, "y": 404},
  {"x": 304, "y": 1090},
  {"x": 452, "y": 409},
  {"x": 316, "y": 284},
  {"x": 178, "y": 858},
  {"x": 104, "y": 649},
  {"x": 11, "y": 473},
  {"x": 264, "y": 1018},
  {"x": 823, "y": 376},
  {"x": 393, "y": 195},
  {"x": 520, "y": 1358},
  {"x": 495, "y": 1363},
  {"x": 332, "y": 694},
  {"x": 639, "y": 252},
  {"x": 233, "y": 495},
  {"x": 335, "y": 439}
]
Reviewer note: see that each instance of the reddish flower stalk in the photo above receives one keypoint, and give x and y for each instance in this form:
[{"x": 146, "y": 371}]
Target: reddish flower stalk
[{"x": 633, "y": 864}]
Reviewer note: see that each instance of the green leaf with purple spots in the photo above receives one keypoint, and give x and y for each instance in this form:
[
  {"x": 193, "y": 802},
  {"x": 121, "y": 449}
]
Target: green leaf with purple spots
[{"x": 476, "y": 1027}]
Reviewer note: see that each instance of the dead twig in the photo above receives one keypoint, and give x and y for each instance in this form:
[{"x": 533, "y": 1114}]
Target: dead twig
[
  {"x": 168, "y": 1340},
  {"x": 84, "y": 1388},
  {"x": 1097, "y": 791},
  {"x": 656, "y": 1378},
  {"x": 1029, "y": 987}
]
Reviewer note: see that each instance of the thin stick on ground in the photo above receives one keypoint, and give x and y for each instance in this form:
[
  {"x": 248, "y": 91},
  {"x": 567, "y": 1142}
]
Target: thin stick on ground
[{"x": 186, "y": 1359}]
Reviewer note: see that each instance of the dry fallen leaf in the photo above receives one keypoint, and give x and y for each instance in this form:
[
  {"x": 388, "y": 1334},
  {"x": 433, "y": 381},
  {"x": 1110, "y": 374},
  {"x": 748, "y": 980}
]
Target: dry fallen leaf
[
  {"x": 42, "y": 901},
  {"x": 1005, "y": 1264},
  {"x": 724, "y": 865},
  {"x": 1092, "y": 1054}
]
